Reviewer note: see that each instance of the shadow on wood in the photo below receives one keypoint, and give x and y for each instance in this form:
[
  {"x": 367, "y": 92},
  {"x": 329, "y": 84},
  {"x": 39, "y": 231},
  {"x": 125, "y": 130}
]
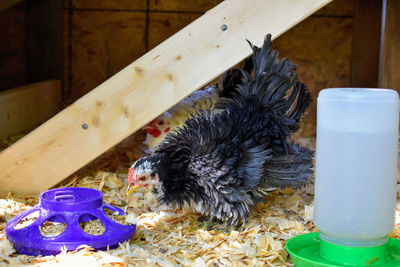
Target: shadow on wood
[
  {"x": 390, "y": 61},
  {"x": 22, "y": 109},
  {"x": 366, "y": 43},
  {"x": 4, "y": 4}
]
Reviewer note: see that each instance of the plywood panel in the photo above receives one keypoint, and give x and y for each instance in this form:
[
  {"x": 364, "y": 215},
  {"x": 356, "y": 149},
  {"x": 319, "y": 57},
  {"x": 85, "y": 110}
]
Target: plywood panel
[
  {"x": 5, "y": 4},
  {"x": 66, "y": 47},
  {"x": 337, "y": 8},
  {"x": 390, "y": 72},
  {"x": 24, "y": 108},
  {"x": 110, "y": 4},
  {"x": 322, "y": 49},
  {"x": 103, "y": 43},
  {"x": 163, "y": 25},
  {"x": 366, "y": 43},
  {"x": 179, "y": 5},
  {"x": 13, "y": 68},
  {"x": 44, "y": 30}
]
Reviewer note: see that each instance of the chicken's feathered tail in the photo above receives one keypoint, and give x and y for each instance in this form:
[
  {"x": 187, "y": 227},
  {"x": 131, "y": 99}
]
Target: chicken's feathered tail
[
  {"x": 275, "y": 83},
  {"x": 274, "y": 90},
  {"x": 234, "y": 77}
]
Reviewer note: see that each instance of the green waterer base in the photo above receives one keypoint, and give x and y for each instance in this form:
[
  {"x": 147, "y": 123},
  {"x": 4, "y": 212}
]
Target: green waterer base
[{"x": 309, "y": 250}]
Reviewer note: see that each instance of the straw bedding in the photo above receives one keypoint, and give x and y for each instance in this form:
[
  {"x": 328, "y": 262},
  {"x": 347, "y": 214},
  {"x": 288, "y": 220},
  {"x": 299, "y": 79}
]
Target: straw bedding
[{"x": 168, "y": 237}]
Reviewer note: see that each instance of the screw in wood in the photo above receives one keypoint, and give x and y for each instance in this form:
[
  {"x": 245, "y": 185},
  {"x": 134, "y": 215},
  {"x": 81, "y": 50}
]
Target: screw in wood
[
  {"x": 224, "y": 27},
  {"x": 85, "y": 126}
]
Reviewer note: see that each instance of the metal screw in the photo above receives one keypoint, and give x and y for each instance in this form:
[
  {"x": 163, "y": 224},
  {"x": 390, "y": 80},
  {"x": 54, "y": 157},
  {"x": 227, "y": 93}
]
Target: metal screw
[
  {"x": 85, "y": 126},
  {"x": 224, "y": 27}
]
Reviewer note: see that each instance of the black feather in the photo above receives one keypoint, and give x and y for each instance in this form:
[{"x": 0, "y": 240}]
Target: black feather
[{"x": 224, "y": 160}]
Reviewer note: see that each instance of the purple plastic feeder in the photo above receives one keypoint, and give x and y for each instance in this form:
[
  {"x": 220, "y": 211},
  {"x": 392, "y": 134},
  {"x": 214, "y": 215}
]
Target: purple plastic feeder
[{"x": 71, "y": 205}]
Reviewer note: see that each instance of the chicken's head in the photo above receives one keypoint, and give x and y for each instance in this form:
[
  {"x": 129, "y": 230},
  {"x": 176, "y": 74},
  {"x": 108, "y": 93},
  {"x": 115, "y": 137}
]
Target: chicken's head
[
  {"x": 159, "y": 126},
  {"x": 141, "y": 174}
]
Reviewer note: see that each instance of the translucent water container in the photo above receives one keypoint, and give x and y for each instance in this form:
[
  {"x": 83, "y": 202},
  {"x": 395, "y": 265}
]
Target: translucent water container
[{"x": 356, "y": 165}]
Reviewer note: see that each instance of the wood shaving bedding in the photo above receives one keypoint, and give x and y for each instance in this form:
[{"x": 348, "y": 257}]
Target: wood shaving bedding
[
  {"x": 168, "y": 237},
  {"x": 93, "y": 227},
  {"x": 50, "y": 229},
  {"x": 28, "y": 220}
]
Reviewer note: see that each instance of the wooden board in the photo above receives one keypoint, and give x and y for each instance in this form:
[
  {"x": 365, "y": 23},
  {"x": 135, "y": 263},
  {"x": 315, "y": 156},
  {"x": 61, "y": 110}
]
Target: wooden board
[
  {"x": 337, "y": 8},
  {"x": 26, "y": 107},
  {"x": 145, "y": 88},
  {"x": 162, "y": 25},
  {"x": 390, "y": 61},
  {"x": 13, "y": 67},
  {"x": 177, "y": 5},
  {"x": 366, "y": 43},
  {"x": 110, "y": 4},
  {"x": 102, "y": 43},
  {"x": 66, "y": 55},
  {"x": 44, "y": 30},
  {"x": 4, "y": 4}
]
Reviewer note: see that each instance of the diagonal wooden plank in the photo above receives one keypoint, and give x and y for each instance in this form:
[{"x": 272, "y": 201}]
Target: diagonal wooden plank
[{"x": 138, "y": 93}]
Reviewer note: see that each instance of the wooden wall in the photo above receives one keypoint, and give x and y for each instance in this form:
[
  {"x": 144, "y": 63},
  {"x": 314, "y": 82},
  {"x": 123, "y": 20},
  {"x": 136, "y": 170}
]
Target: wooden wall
[
  {"x": 13, "y": 57},
  {"x": 103, "y": 36}
]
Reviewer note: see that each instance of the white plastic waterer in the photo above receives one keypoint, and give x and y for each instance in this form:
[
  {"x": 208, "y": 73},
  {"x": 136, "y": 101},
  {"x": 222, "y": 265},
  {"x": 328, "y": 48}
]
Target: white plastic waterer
[
  {"x": 355, "y": 181},
  {"x": 356, "y": 165}
]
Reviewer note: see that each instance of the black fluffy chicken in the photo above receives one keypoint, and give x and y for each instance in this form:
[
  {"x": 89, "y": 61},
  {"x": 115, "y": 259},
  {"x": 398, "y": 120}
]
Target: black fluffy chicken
[{"x": 223, "y": 162}]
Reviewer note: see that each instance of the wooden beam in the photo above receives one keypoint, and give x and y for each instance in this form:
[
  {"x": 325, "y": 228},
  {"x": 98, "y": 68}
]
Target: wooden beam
[
  {"x": 5, "y": 4},
  {"x": 366, "y": 43},
  {"x": 390, "y": 62},
  {"x": 144, "y": 89},
  {"x": 22, "y": 109},
  {"x": 44, "y": 29}
]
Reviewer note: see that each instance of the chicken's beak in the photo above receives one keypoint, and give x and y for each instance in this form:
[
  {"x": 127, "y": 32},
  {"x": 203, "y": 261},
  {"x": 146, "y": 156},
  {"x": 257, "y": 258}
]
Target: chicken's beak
[{"x": 131, "y": 188}]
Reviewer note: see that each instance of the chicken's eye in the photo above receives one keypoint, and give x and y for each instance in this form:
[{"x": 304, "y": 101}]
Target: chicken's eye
[
  {"x": 142, "y": 179},
  {"x": 160, "y": 122}
]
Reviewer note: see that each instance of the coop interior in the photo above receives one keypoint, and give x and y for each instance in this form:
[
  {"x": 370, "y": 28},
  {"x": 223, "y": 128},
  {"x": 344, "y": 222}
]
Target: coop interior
[{"x": 89, "y": 87}]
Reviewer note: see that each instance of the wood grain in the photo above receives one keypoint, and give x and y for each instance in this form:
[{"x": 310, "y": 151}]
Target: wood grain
[
  {"x": 337, "y": 8},
  {"x": 66, "y": 58},
  {"x": 102, "y": 44},
  {"x": 322, "y": 49},
  {"x": 44, "y": 29},
  {"x": 110, "y": 4},
  {"x": 5, "y": 4},
  {"x": 179, "y": 5},
  {"x": 138, "y": 93},
  {"x": 24, "y": 108},
  {"x": 390, "y": 65},
  {"x": 366, "y": 43},
  {"x": 13, "y": 68},
  {"x": 163, "y": 25}
]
